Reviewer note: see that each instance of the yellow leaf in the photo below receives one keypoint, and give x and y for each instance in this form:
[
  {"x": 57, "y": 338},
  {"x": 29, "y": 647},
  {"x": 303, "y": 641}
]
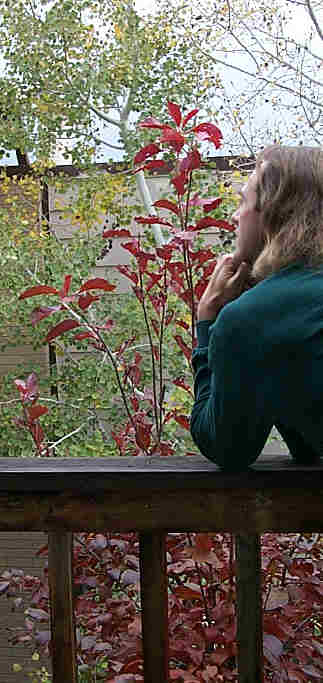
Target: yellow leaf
[{"x": 119, "y": 34}]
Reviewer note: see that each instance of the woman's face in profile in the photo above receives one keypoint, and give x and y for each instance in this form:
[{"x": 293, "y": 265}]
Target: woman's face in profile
[{"x": 248, "y": 221}]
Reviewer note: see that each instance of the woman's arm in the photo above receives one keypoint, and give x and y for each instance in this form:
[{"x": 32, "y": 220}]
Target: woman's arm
[
  {"x": 231, "y": 417},
  {"x": 300, "y": 451}
]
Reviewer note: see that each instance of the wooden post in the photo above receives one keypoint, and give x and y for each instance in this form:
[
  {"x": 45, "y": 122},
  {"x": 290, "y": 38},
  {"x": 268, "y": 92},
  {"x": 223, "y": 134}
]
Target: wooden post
[
  {"x": 60, "y": 549},
  {"x": 249, "y": 608},
  {"x": 154, "y": 604}
]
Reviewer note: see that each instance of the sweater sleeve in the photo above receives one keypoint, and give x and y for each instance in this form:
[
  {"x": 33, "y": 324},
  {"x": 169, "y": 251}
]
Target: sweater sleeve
[
  {"x": 231, "y": 416},
  {"x": 301, "y": 452}
]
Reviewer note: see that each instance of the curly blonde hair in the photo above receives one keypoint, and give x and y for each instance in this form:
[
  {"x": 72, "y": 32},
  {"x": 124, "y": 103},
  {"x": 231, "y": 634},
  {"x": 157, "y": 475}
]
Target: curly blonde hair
[{"x": 290, "y": 198}]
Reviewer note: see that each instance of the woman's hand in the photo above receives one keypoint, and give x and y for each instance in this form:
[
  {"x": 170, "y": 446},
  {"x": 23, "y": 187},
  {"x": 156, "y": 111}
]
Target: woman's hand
[{"x": 229, "y": 279}]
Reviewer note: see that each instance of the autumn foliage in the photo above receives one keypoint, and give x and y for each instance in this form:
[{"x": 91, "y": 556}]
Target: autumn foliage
[{"x": 200, "y": 566}]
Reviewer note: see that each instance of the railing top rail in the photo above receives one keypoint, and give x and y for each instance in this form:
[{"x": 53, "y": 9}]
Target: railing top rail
[
  {"x": 90, "y": 475},
  {"x": 146, "y": 494}
]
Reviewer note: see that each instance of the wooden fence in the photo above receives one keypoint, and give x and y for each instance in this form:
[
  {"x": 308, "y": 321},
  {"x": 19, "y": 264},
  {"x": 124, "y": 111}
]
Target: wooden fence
[{"x": 154, "y": 496}]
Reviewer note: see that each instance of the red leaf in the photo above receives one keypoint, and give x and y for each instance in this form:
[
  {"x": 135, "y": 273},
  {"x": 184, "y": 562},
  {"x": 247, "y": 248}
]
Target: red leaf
[
  {"x": 146, "y": 152},
  {"x": 200, "y": 288},
  {"x": 86, "y": 300},
  {"x": 125, "y": 270},
  {"x": 180, "y": 382},
  {"x": 155, "y": 164},
  {"x": 189, "y": 116},
  {"x": 132, "y": 246},
  {"x": 97, "y": 283},
  {"x": 32, "y": 386},
  {"x": 169, "y": 317},
  {"x": 182, "y": 324},
  {"x": 183, "y": 421},
  {"x": 143, "y": 436},
  {"x": 84, "y": 335},
  {"x": 172, "y": 138},
  {"x": 155, "y": 326},
  {"x": 166, "y": 204},
  {"x": 154, "y": 279},
  {"x": 134, "y": 402},
  {"x": 28, "y": 389},
  {"x": 155, "y": 352},
  {"x": 152, "y": 220},
  {"x": 37, "y": 433},
  {"x": 209, "y": 222},
  {"x": 109, "y": 324},
  {"x": 42, "y": 312},
  {"x": 209, "y": 138},
  {"x": 211, "y": 205},
  {"x": 66, "y": 286},
  {"x": 188, "y": 593},
  {"x": 150, "y": 122},
  {"x": 175, "y": 112},
  {"x": 201, "y": 256},
  {"x": 209, "y": 128},
  {"x": 191, "y": 161},
  {"x": 116, "y": 233},
  {"x": 187, "y": 352},
  {"x": 133, "y": 666},
  {"x": 62, "y": 327},
  {"x": 36, "y": 411},
  {"x": 203, "y": 547},
  {"x": 38, "y": 289},
  {"x": 21, "y": 385},
  {"x": 165, "y": 252},
  {"x": 179, "y": 182}
]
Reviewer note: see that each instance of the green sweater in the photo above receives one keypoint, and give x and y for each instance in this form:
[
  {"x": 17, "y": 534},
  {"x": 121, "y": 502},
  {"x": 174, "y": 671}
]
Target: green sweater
[{"x": 261, "y": 364}]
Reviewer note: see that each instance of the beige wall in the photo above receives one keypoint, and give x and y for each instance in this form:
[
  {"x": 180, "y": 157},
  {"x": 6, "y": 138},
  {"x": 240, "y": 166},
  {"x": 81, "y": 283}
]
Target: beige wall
[{"x": 14, "y": 355}]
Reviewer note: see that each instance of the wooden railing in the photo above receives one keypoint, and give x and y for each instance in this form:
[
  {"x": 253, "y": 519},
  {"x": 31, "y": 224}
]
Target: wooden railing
[{"x": 154, "y": 496}]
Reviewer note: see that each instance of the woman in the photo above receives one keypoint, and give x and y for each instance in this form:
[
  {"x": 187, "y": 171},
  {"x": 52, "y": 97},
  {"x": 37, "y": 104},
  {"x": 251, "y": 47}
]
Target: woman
[{"x": 259, "y": 359}]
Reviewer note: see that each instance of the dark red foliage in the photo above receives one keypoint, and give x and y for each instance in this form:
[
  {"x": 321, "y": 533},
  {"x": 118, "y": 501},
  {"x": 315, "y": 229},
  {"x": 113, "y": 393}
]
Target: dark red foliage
[{"x": 201, "y": 607}]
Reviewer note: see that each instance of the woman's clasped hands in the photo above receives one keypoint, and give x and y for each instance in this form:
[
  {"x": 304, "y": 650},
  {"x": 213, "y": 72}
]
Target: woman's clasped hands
[{"x": 228, "y": 280}]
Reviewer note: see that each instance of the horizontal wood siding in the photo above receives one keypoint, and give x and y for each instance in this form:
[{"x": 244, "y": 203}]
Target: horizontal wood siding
[{"x": 17, "y": 550}]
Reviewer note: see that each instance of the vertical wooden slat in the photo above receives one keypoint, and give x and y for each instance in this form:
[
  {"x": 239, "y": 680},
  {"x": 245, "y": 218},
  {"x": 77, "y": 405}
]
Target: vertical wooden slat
[
  {"x": 60, "y": 547},
  {"x": 153, "y": 580},
  {"x": 249, "y": 608}
]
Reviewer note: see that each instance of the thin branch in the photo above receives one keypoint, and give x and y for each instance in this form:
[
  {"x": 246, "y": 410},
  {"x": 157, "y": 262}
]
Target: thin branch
[
  {"x": 67, "y": 436},
  {"x": 257, "y": 76},
  {"x": 105, "y": 117},
  {"x": 314, "y": 19},
  {"x": 108, "y": 144}
]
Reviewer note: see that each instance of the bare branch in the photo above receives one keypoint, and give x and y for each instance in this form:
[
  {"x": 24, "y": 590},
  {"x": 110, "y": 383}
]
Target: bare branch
[
  {"x": 314, "y": 19},
  {"x": 105, "y": 117},
  {"x": 108, "y": 144},
  {"x": 278, "y": 84}
]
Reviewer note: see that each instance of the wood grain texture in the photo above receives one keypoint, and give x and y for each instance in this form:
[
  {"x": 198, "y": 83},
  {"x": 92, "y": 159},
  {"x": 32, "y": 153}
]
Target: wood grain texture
[
  {"x": 249, "y": 608},
  {"x": 154, "y": 603},
  {"x": 60, "y": 549},
  {"x": 91, "y": 475},
  {"x": 146, "y": 510}
]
